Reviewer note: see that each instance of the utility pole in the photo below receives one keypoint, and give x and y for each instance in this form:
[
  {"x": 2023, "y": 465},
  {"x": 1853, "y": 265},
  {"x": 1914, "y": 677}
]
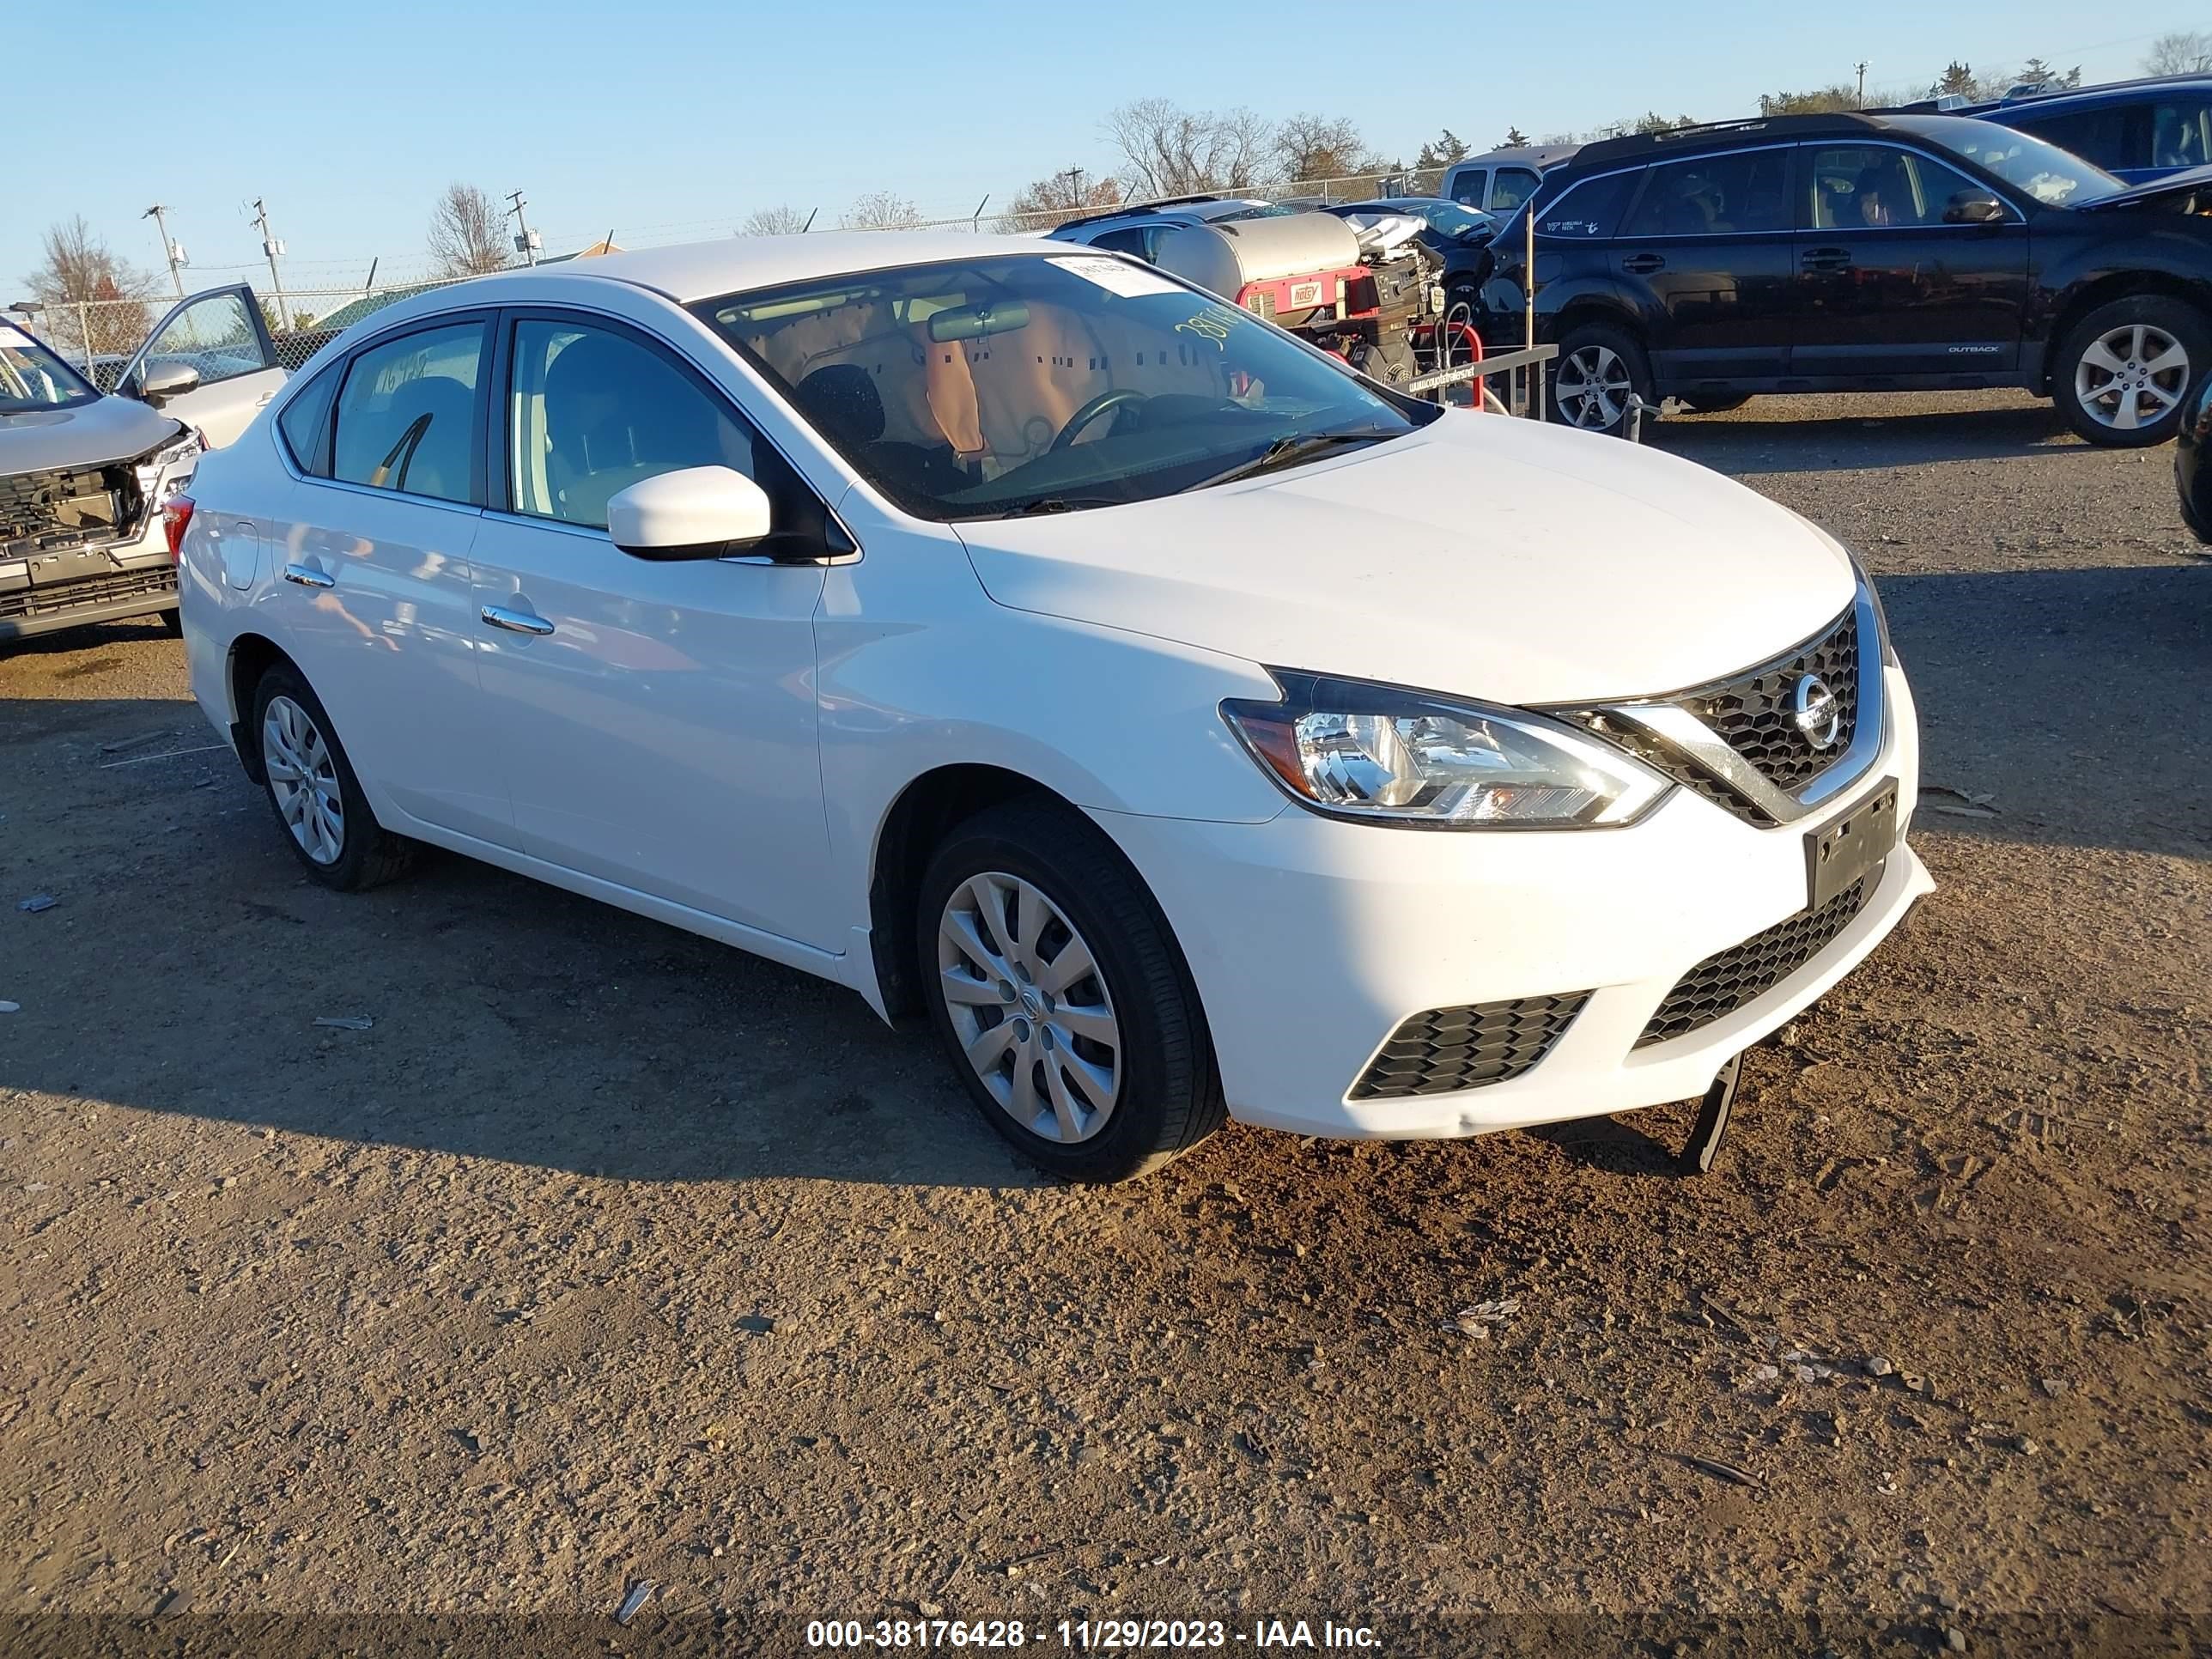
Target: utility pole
[
  {"x": 526, "y": 240},
  {"x": 1862, "y": 85},
  {"x": 171, "y": 251},
  {"x": 273, "y": 249}
]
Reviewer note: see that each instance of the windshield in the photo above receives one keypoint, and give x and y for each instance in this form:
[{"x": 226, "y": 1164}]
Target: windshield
[
  {"x": 2055, "y": 177},
  {"x": 32, "y": 377},
  {"x": 1019, "y": 383},
  {"x": 1445, "y": 218}
]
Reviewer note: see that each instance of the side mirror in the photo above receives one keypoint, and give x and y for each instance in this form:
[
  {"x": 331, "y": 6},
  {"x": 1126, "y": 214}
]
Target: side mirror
[
  {"x": 163, "y": 384},
  {"x": 1974, "y": 206},
  {"x": 694, "y": 512}
]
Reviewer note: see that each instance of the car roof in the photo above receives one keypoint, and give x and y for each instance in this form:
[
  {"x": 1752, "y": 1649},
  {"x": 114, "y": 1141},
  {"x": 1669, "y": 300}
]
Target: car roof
[
  {"x": 701, "y": 270},
  {"x": 2113, "y": 92}
]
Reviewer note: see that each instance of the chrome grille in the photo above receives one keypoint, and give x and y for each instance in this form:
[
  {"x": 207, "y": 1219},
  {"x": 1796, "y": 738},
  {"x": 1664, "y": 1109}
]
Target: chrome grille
[
  {"x": 1753, "y": 713},
  {"x": 1725, "y": 982},
  {"x": 1447, "y": 1050}
]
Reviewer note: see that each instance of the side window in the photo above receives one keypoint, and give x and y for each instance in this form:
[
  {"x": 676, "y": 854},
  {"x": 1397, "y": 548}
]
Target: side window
[
  {"x": 304, "y": 421},
  {"x": 407, "y": 414},
  {"x": 1466, "y": 186},
  {"x": 2180, "y": 131},
  {"x": 1131, "y": 240},
  {"x": 216, "y": 335},
  {"x": 592, "y": 412},
  {"x": 1873, "y": 188},
  {"x": 1509, "y": 187},
  {"x": 2095, "y": 135},
  {"x": 1714, "y": 195},
  {"x": 1590, "y": 209}
]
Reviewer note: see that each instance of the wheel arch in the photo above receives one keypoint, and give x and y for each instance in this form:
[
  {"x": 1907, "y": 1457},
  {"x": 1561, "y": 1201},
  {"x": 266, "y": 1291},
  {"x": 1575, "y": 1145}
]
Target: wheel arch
[
  {"x": 2086, "y": 296},
  {"x": 251, "y": 656},
  {"x": 918, "y": 818}
]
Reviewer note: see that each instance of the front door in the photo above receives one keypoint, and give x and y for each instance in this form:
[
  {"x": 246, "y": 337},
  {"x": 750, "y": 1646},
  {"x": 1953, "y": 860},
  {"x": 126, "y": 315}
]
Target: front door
[
  {"x": 219, "y": 335},
  {"x": 655, "y": 720},
  {"x": 1894, "y": 287},
  {"x": 1705, "y": 251}
]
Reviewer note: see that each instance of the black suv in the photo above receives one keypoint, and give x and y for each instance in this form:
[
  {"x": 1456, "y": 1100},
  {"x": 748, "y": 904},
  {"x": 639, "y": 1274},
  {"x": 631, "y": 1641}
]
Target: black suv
[{"x": 1863, "y": 253}]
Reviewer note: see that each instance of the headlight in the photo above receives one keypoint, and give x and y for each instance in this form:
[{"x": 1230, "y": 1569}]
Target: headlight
[
  {"x": 1357, "y": 750},
  {"x": 167, "y": 470}
]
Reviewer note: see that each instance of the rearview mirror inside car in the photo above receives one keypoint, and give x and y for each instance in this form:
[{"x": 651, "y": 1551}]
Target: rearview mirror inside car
[
  {"x": 974, "y": 322},
  {"x": 694, "y": 512},
  {"x": 1973, "y": 207},
  {"x": 162, "y": 384}
]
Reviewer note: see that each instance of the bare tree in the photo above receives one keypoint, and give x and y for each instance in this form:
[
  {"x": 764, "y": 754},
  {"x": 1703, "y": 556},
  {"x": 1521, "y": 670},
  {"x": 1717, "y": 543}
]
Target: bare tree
[
  {"x": 1321, "y": 147},
  {"x": 1173, "y": 151},
  {"x": 468, "y": 232},
  {"x": 95, "y": 301},
  {"x": 778, "y": 220},
  {"x": 2185, "y": 52},
  {"x": 1058, "y": 197},
  {"x": 881, "y": 209}
]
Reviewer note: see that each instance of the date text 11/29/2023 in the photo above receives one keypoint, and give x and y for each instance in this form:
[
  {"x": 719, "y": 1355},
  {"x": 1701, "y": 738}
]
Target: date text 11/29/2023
[{"x": 1090, "y": 1635}]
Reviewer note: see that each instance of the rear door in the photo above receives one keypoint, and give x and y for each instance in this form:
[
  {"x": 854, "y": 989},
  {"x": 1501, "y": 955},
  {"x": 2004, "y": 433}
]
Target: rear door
[
  {"x": 219, "y": 335},
  {"x": 1706, "y": 247},
  {"x": 1891, "y": 286},
  {"x": 372, "y": 566}
]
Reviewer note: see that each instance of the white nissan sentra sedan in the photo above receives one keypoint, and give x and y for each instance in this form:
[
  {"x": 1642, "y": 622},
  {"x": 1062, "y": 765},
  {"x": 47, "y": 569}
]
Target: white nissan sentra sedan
[{"x": 1187, "y": 725}]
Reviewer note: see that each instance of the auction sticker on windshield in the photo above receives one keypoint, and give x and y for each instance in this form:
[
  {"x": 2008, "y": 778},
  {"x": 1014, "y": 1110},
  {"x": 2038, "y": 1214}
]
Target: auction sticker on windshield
[{"x": 1130, "y": 281}]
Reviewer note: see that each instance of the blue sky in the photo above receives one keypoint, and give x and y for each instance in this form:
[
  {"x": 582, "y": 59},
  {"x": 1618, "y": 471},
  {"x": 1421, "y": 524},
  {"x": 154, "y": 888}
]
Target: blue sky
[{"x": 666, "y": 122}]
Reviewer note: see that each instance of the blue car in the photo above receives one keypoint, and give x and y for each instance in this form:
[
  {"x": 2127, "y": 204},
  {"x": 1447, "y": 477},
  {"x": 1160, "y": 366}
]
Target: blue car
[{"x": 2140, "y": 130}]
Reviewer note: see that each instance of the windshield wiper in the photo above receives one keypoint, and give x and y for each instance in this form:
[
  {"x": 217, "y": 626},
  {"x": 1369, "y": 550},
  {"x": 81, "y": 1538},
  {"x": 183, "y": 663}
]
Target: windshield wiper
[
  {"x": 1288, "y": 451},
  {"x": 1054, "y": 504}
]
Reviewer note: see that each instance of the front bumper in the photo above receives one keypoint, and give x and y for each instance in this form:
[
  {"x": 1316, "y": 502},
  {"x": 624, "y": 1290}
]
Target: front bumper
[
  {"x": 1312, "y": 940},
  {"x": 43, "y": 593}
]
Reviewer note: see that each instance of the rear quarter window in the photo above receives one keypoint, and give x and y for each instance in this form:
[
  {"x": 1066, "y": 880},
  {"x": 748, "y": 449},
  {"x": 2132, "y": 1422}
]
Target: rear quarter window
[
  {"x": 1588, "y": 210},
  {"x": 304, "y": 423}
]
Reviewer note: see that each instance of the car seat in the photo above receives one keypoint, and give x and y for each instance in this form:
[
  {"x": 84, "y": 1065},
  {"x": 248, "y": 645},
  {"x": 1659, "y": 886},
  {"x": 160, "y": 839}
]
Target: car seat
[{"x": 615, "y": 415}]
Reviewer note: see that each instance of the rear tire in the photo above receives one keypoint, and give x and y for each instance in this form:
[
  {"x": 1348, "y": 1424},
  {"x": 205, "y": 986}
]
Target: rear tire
[
  {"x": 1100, "y": 1077},
  {"x": 2123, "y": 375},
  {"x": 1598, "y": 366},
  {"x": 172, "y": 622},
  {"x": 313, "y": 790},
  {"x": 1715, "y": 405}
]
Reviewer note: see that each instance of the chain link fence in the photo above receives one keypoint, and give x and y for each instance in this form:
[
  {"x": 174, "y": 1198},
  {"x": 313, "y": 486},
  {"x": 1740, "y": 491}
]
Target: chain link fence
[{"x": 101, "y": 335}]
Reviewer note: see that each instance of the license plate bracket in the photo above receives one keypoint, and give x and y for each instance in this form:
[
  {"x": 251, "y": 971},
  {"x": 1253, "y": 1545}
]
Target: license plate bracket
[{"x": 1845, "y": 848}]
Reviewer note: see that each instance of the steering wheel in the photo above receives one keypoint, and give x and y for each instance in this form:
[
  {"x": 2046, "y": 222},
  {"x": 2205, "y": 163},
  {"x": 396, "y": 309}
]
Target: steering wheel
[{"x": 1091, "y": 411}]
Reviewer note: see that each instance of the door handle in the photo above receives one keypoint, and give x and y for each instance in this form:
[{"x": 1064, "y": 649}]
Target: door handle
[
  {"x": 1827, "y": 259},
  {"x": 308, "y": 576},
  {"x": 516, "y": 622},
  {"x": 1642, "y": 264}
]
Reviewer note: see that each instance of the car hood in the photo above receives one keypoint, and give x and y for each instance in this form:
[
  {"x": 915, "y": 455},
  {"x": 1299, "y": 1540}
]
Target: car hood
[
  {"x": 2157, "y": 190},
  {"x": 1484, "y": 556},
  {"x": 88, "y": 434}
]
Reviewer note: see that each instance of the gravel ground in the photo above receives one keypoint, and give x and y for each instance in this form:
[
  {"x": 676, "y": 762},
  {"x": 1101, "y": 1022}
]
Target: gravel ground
[{"x": 607, "y": 1256}]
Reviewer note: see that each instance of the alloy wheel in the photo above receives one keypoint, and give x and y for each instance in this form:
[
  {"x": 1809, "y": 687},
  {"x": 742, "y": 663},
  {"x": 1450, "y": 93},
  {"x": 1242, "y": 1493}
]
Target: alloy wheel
[
  {"x": 2132, "y": 376},
  {"x": 304, "y": 780},
  {"x": 1030, "y": 1007},
  {"x": 1592, "y": 387}
]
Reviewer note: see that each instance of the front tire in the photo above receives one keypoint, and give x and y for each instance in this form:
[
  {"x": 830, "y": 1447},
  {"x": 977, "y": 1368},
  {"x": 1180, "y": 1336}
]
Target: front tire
[
  {"x": 1061, "y": 997},
  {"x": 2123, "y": 373},
  {"x": 1598, "y": 369},
  {"x": 313, "y": 790}
]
